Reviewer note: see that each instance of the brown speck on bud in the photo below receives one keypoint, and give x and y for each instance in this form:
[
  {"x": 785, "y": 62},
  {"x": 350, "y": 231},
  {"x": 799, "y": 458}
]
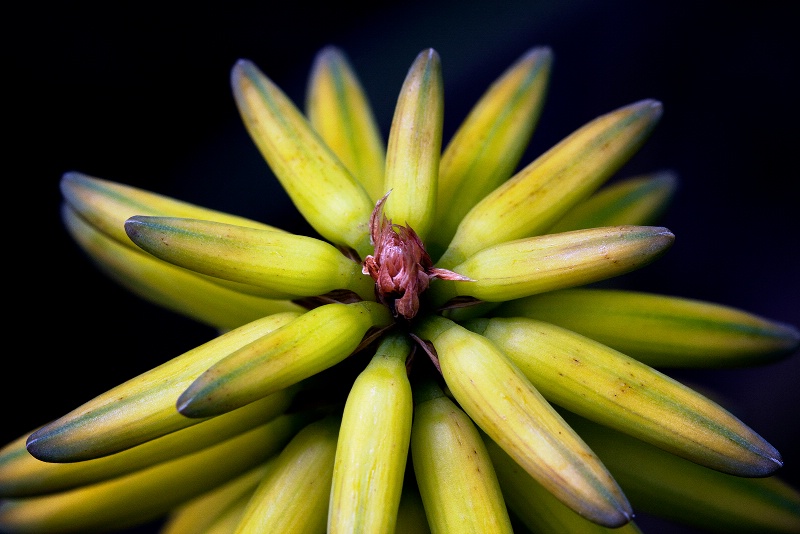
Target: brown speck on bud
[{"x": 400, "y": 266}]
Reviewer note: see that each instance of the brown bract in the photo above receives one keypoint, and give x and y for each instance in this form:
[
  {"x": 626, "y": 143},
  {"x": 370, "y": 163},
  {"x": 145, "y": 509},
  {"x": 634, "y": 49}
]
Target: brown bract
[{"x": 400, "y": 266}]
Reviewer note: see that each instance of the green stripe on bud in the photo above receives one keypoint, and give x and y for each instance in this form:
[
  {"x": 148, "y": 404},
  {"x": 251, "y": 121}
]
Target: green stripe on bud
[
  {"x": 535, "y": 506},
  {"x": 142, "y": 496},
  {"x": 107, "y": 205},
  {"x": 675, "y": 489},
  {"x": 453, "y": 471},
  {"x": 294, "y": 496},
  {"x": 373, "y": 444},
  {"x": 505, "y": 405},
  {"x": 143, "y": 408},
  {"x": 661, "y": 330},
  {"x": 175, "y": 288},
  {"x": 320, "y": 186},
  {"x": 639, "y": 200},
  {"x": 487, "y": 147},
  {"x": 339, "y": 111},
  {"x": 313, "y": 342},
  {"x": 280, "y": 261},
  {"x": 541, "y": 193},
  {"x": 525, "y": 267},
  {"x": 414, "y": 147},
  {"x": 590, "y": 379}
]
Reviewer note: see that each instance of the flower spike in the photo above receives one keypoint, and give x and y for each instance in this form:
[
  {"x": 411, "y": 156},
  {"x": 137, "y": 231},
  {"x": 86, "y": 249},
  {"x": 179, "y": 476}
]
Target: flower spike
[{"x": 318, "y": 401}]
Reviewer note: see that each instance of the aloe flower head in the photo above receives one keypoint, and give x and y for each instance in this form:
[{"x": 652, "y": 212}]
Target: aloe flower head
[{"x": 442, "y": 355}]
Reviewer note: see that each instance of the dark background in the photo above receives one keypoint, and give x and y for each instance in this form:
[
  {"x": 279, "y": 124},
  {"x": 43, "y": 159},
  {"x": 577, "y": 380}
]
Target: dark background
[{"x": 139, "y": 93}]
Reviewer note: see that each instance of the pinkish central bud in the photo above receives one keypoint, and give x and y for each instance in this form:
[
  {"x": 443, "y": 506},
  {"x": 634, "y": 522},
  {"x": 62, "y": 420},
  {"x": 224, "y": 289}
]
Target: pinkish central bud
[{"x": 400, "y": 266}]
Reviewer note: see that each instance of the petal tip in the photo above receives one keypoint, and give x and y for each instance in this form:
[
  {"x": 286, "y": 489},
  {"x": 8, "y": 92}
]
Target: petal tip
[
  {"x": 538, "y": 53},
  {"x": 652, "y": 105},
  {"x": 242, "y": 68},
  {"x": 36, "y": 444},
  {"x": 186, "y": 405}
]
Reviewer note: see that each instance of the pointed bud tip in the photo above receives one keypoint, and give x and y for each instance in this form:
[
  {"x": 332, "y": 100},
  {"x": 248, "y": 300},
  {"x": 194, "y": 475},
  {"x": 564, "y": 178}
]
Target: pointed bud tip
[
  {"x": 655, "y": 107},
  {"x": 187, "y": 406},
  {"x": 37, "y": 445},
  {"x": 70, "y": 181},
  {"x": 426, "y": 57},
  {"x": 32, "y": 442},
  {"x": 766, "y": 466},
  {"x": 133, "y": 226},
  {"x": 624, "y": 514},
  {"x": 430, "y": 53},
  {"x": 618, "y": 515},
  {"x": 74, "y": 180},
  {"x": 243, "y": 63},
  {"x": 763, "y": 460},
  {"x": 72, "y": 176},
  {"x": 773, "y": 457},
  {"x": 792, "y": 336},
  {"x": 666, "y": 179},
  {"x": 243, "y": 69},
  {"x": 329, "y": 53},
  {"x": 184, "y": 406},
  {"x": 538, "y": 54}
]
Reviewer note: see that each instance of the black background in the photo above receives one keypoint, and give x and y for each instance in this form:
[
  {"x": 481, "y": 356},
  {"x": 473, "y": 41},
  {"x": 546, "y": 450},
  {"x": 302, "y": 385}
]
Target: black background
[{"x": 139, "y": 93}]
